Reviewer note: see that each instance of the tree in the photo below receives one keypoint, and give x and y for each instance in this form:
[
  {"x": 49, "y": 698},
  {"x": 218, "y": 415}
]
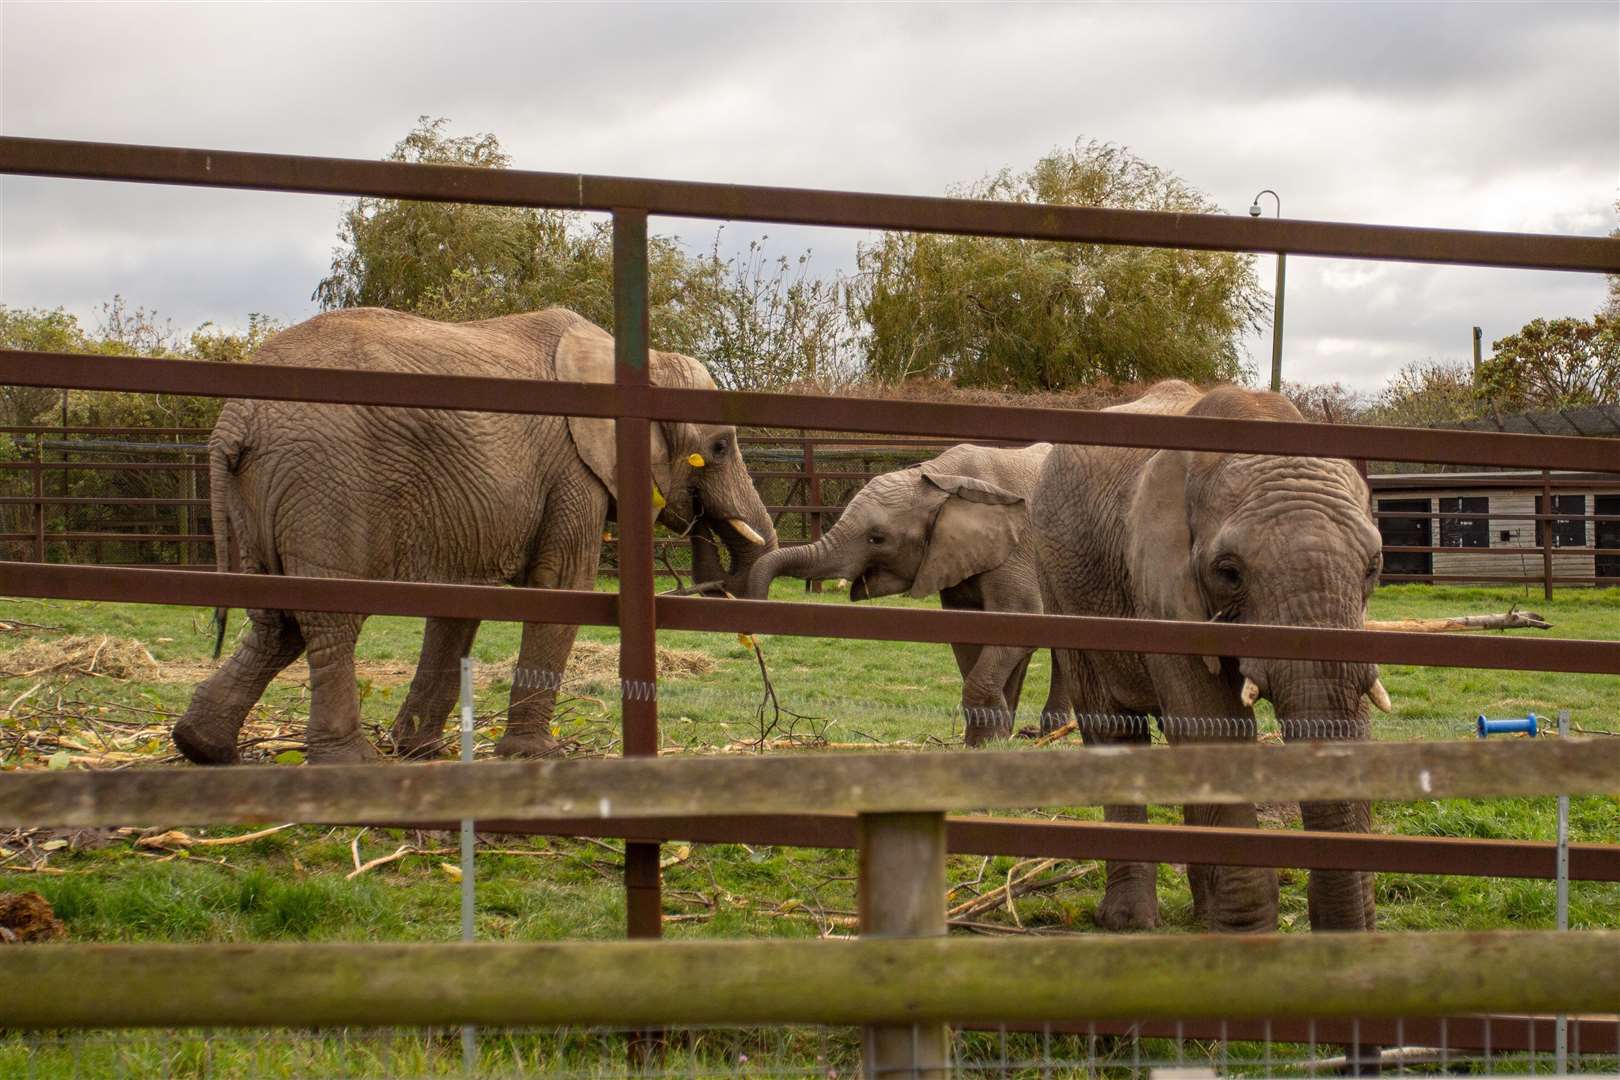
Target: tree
[
  {"x": 1425, "y": 393},
  {"x": 1047, "y": 315},
  {"x": 768, "y": 324},
  {"x": 460, "y": 262},
  {"x": 1554, "y": 364}
]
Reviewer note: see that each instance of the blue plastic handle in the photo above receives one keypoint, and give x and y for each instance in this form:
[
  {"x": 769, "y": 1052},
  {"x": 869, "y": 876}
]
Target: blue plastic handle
[{"x": 1525, "y": 724}]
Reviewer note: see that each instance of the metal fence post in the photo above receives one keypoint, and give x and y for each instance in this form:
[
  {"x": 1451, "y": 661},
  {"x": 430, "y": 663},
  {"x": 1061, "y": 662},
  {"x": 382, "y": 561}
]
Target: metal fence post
[
  {"x": 1546, "y": 534},
  {"x": 902, "y": 894},
  {"x": 812, "y": 489},
  {"x": 39, "y": 497},
  {"x": 469, "y": 1033},
  {"x": 638, "y": 634},
  {"x": 1561, "y": 1022}
]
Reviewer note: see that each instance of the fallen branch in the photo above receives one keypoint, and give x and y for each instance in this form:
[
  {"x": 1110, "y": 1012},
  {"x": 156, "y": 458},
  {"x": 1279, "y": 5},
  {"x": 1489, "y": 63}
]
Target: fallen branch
[
  {"x": 1059, "y": 733},
  {"x": 1509, "y": 620},
  {"x": 383, "y": 860},
  {"x": 174, "y": 838},
  {"x": 1015, "y": 888}
]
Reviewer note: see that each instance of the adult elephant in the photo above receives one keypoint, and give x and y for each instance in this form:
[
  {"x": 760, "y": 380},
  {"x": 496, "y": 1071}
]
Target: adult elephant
[
  {"x": 957, "y": 526},
  {"x": 432, "y": 495},
  {"x": 1170, "y": 534}
]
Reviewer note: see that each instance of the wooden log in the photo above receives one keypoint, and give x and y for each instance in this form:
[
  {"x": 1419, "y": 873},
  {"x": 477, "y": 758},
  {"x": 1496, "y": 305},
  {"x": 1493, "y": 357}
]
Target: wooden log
[
  {"x": 920, "y": 980},
  {"x": 1508, "y": 620},
  {"x": 830, "y": 783}
]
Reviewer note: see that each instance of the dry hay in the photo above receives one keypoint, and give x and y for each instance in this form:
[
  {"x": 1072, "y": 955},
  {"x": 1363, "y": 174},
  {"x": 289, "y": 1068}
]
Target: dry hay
[
  {"x": 594, "y": 661},
  {"x": 27, "y": 916},
  {"x": 96, "y": 654}
]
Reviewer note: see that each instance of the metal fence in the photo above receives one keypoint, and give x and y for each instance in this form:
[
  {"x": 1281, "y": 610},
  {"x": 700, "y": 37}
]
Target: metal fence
[
  {"x": 904, "y": 988},
  {"x": 156, "y": 512}
]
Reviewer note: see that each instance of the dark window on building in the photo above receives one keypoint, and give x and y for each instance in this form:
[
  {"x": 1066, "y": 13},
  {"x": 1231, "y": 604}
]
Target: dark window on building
[
  {"x": 1466, "y": 532},
  {"x": 1406, "y": 532},
  {"x": 1568, "y": 533}
]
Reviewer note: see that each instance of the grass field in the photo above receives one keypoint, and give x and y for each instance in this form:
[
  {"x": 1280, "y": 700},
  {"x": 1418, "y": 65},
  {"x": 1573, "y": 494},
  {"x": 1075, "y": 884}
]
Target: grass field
[{"x": 299, "y": 883}]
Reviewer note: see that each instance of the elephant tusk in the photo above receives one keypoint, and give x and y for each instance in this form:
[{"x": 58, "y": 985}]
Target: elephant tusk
[
  {"x": 1380, "y": 696},
  {"x": 746, "y": 530},
  {"x": 1251, "y": 692}
]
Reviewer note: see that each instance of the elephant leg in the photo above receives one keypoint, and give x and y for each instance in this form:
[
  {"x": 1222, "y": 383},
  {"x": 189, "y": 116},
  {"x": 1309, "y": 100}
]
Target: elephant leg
[
  {"x": 1055, "y": 713},
  {"x": 542, "y": 658},
  {"x": 1199, "y": 709},
  {"x": 1131, "y": 896},
  {"x": 334, "y": 708},
  {"x": 1339, "y": 899},
  {"x": 419, "y": 728},
  {"x": 569, "y": 554},
  {"x": 1014, "y": 690},
  {"x": 208, "y": 731},
  {"x": 985, "y": 710}
]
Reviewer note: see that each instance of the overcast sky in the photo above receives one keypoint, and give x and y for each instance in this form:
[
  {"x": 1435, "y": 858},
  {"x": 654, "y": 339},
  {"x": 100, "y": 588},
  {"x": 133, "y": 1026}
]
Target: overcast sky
[{"x": 1480, "y": 116}]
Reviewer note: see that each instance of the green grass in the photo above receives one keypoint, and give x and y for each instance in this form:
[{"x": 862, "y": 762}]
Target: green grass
[{"x": 293, "y": 885}]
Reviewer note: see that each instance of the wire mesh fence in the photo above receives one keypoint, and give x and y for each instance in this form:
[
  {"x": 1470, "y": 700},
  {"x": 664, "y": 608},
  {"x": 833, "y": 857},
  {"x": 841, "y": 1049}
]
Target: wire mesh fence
[{"x": 1497, "y": 1045}]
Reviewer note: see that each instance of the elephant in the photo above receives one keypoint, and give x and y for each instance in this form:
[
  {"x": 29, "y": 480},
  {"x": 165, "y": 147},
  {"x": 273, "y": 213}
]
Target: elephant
[
  {"x": 428, "y": 495},
  {"x": 959, "y": 526},
  {"x": 1245, "y": 538}
]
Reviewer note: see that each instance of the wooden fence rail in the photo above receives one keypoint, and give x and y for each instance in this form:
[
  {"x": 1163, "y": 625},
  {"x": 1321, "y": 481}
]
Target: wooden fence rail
[
  {"x": 870, "y": 981},
  {"x": 831, "y": 783}
]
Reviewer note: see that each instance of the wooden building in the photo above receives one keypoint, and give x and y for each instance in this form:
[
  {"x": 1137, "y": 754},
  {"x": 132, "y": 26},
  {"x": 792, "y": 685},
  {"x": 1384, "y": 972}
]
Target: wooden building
[{"x": 1483, "y": 527}]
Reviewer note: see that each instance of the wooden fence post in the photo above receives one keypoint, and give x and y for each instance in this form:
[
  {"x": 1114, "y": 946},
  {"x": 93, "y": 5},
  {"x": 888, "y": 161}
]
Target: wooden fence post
[
  {"x": 1546, "y": 534},
  {"x": 39, "y": 497},
  {"x": 902, "y": 895}
]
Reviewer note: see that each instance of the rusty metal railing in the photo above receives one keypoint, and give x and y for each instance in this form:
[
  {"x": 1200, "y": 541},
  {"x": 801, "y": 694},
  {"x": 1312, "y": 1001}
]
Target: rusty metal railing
[{"x": 630, "y": 400}]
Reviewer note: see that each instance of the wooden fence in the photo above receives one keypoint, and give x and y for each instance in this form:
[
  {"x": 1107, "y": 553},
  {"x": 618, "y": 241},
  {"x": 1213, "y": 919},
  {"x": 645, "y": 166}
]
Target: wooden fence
[{"x": 910, "y": 980}]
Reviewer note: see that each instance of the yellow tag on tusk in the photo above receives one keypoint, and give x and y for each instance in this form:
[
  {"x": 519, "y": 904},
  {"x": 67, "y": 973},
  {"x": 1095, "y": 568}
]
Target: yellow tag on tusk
[
  {"x": 746, "y": 641},
  {"x": 696, "y": 461},
  {"x": 658, "y": 498}
]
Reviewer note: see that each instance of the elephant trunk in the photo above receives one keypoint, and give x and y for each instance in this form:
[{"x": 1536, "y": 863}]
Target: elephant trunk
[
  {"x": 743, "y": 552},
  {"x": 799, "y": 562},
  {"x": 1323, "y": 700}
]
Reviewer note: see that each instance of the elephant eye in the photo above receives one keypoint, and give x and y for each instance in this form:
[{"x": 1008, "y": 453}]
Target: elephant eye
[
  {"x": 719, "y": 448},
  {"x": 874, "y": 538},
  {"x": 1372, "y": 567},
  {"x": 1227, "y": 570}
]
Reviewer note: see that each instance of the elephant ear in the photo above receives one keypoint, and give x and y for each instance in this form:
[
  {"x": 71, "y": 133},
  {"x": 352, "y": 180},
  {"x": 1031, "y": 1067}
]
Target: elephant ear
[
  {"x": 1160, "y": 556},
  {"x": 972, "y": 533},
  {"x": 585, "y": 354}
]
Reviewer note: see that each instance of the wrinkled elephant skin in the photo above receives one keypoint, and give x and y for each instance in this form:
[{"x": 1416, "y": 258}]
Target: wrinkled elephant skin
[
  {"x": 398, "y": 494},
  {"x": 1173, "y": 534},
  {"x": 957, "y": 526}
]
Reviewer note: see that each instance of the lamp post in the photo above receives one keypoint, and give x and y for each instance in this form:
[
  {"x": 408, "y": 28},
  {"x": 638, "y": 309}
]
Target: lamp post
[{"x": 1277, "y": 314}]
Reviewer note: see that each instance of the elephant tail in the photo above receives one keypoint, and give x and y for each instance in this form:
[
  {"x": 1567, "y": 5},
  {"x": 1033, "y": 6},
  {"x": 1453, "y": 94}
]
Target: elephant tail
[{"x": 224, "y": 452}]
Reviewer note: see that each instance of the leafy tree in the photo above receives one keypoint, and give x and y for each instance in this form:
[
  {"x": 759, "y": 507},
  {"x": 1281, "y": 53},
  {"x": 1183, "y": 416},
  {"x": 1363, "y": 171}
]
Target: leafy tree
[
  {"x": 1426, "y": 393},
  {"x": 1326, "y": 403},
  {"x": 1046, "y": 315},
  {"x": 460, "y": 262},
  {"x": 768, "y": 324},
  {"x": 1554, "y": 363}
]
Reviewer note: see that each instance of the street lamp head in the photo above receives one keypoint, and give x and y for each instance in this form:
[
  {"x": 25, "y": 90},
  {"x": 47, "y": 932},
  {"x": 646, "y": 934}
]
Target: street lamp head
[{"x": 1254, "y": 209}]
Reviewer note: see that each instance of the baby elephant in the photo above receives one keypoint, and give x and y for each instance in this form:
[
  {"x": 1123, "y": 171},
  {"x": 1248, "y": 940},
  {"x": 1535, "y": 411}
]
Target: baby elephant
[{"x": 958, "y": 526}]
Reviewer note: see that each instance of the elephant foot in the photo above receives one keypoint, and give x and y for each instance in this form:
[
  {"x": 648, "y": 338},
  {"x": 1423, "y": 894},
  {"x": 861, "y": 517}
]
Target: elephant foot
[
  {"x": 1127, "y": 911},
  {"x": 416, "y": 743},
  {"x": 354, "y": 751},
  {"x": 985, "y": 725},
  {"x": 527, "y": 744},
  {"x": 202, "y": 747}
]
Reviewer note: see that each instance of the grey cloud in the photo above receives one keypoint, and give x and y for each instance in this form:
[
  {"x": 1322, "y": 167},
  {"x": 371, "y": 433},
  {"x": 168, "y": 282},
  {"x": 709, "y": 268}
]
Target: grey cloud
[{"x": 1479, "y": 116}]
